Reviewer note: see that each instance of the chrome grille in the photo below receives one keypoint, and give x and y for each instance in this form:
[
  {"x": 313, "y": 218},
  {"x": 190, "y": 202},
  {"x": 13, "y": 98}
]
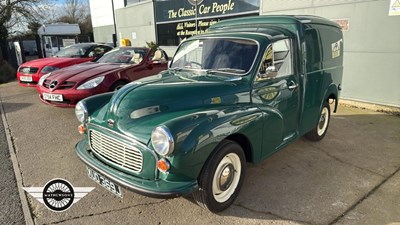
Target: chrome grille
[
  {"x": 64, "y": 85},
  {"x": 28, "y": 70},
  {"x": 46, "y": 83},
  {"x": 124, "y": 155}
]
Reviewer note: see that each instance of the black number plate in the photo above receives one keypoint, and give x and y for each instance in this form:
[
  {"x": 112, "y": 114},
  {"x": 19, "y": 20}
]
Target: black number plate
[{"x": 104, "y": 182}]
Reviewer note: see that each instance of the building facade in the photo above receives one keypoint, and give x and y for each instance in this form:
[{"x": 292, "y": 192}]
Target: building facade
[{"x": 371, "y": 30}]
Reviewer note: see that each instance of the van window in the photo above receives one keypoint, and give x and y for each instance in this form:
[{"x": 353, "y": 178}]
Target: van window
[
  {"x": 282, "y": 59},
  {"x": 278, "y": 54},
  {"x": 313, "y": 51},
  {"x": 328, "y": 38}
]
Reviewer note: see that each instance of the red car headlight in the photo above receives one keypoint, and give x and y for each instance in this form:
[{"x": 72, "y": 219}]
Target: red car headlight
[
  {"x": 48, "y": 69},
  {"x": 91, "y": 83}
]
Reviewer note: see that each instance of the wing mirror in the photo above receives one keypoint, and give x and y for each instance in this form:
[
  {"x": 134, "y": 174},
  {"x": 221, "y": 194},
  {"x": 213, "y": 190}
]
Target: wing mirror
[{"x": 270, "y": 72}]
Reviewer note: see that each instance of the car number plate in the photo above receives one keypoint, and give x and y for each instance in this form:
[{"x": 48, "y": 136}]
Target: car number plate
[
  {"x": 25, "y": 78},
  {"x": 104, "y": 182},
  {"x": 53, "y": 97}
]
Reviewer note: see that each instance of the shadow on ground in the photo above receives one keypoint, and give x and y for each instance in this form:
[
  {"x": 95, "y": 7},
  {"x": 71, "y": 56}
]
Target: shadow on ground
[{"x": 318, "y": 182}]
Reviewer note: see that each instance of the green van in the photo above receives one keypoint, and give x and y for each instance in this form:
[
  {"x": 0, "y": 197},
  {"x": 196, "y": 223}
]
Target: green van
[{"x": 237, "y": 94}]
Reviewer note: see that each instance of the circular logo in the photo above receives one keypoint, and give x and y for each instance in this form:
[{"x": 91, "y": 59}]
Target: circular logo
[
  {"x": 195, "y": 2},
  {"x": 53, "y": 84},
  {"x": 58, "y": 195},
  {"x": 26, "y": 70},
  {"x": 111, "y": 122}
]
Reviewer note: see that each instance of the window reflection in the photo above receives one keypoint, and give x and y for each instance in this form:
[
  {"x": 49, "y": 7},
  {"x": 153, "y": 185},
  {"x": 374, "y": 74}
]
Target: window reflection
[{"x": 226, "y": 55}]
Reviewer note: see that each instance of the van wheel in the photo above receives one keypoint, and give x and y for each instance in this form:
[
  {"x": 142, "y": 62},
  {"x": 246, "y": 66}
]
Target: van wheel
[
  {"x": 222, "y": 177},
  {"x": 117, "y": 85},
  {"x": 320, "y": 130}
]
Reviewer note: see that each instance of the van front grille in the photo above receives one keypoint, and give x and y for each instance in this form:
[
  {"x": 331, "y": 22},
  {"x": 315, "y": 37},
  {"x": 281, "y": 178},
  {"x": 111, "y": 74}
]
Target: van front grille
[{"x": 116, "y": 151}]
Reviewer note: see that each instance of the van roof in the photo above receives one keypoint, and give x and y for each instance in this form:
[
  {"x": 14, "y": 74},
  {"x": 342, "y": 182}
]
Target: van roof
[
  {"x": 273, "y": 19},
  {"x": 268, "y": 31}
]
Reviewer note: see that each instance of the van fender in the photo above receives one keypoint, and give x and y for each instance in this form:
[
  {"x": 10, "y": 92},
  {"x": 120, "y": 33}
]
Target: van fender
[
  {"x": 331, "y": 93},
  {"x": 197, "y": 135}
]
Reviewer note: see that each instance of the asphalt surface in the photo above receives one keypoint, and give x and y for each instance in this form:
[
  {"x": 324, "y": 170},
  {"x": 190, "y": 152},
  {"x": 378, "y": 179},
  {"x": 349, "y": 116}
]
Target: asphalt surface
[
  {"x": 350, "y": 177},
  {"x": 10, "y": 205}
]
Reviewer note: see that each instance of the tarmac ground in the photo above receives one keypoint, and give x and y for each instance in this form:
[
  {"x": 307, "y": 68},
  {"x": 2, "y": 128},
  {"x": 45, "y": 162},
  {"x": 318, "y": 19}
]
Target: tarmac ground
[{"x": 350, "y": 177}]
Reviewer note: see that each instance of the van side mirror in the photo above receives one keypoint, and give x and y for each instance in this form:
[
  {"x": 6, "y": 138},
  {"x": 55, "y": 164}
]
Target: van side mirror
[{"x": 270, "y": 72}]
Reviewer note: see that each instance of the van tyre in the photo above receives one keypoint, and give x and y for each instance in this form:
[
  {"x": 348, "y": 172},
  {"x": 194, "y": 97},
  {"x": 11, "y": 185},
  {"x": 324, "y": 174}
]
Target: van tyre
[
  {"x": 320, "y": 130},
  {"x": 222, "y": 177}
]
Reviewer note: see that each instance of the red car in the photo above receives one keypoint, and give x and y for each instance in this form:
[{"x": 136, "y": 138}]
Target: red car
[
  {"x": 29, "y": 73},
  {"x": 65, "y": 87}
]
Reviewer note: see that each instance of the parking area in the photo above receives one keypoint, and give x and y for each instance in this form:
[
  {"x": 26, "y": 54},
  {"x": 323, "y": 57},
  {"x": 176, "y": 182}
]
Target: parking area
[{"x": 350, "y": 177}]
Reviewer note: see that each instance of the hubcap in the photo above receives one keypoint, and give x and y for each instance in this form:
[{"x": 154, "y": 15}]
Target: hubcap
[
  {"x": 323, "y": 121},
  {"x": 226, "y": 177}
]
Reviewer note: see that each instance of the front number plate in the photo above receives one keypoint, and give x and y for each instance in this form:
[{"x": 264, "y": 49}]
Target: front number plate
[
  {"x": 25, "y": 79},
  {"x": 53, "y": 97},
  {"x": 104, "y": 182}
]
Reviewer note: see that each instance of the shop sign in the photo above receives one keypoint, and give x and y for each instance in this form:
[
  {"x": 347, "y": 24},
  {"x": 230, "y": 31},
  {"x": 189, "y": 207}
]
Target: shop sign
[
  {"x": 343, "y": 23},
  {"x": 394, "y": 8},
  {"x": 179, "y": 10},
  {"x": 188, "y": 28}
]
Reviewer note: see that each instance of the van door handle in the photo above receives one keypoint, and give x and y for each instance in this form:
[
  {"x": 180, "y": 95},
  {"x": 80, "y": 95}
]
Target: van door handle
[{"x": 292, "y": 85}]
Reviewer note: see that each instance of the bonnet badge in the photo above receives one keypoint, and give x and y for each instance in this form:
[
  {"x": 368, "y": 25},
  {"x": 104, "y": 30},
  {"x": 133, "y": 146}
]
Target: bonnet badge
[{"x": 110, "y": 122}]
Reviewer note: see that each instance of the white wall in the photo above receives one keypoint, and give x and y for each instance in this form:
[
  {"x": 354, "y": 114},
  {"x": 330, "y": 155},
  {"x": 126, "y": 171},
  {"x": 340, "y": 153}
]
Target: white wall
[
  {"x": 138, "y": 19},
  {"x": 101, "y": 11},
  {"x": 102, "y": 19},
  {"x": 371, "y": 46}
]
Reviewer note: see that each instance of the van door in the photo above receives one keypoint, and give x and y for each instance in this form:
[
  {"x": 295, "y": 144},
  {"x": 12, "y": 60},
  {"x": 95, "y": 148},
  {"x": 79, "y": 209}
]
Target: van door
[{"x": 276, "y": 92}]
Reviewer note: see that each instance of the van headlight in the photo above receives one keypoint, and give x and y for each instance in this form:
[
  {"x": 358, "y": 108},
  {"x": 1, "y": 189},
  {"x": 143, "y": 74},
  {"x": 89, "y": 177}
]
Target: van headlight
[
  {"x": 162, "y": 140},
  {"x": 81, "y": 112},
  {"x": 42, "y": 78}
]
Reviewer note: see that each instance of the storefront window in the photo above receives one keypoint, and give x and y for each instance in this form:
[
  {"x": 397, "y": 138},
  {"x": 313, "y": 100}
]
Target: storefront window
[{"x": 179, "y": 19}]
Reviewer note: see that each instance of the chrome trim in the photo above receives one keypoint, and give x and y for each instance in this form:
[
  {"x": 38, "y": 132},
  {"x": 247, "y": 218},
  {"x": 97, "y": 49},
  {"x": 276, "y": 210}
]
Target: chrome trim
[
  {"x": 85, "y": 112},
  {"x": 134, "y": 141},
  {"x": 136, "y": 185},
  {"x": 166, "y": 131},
  {"x": 116, "y": 151}
]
